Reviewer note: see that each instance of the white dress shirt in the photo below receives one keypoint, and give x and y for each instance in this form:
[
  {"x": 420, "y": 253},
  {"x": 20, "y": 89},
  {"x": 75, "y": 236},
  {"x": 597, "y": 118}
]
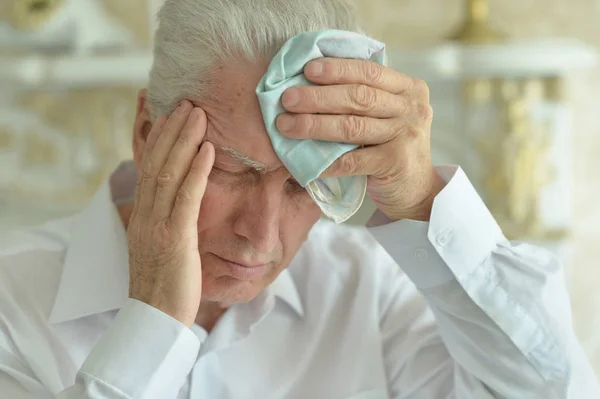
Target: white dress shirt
[{"x": 413, "y": 310}]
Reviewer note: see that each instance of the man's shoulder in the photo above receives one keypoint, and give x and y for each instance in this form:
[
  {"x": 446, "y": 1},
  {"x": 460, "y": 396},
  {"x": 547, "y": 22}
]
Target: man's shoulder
[
  {"x": 43, "y": 242},
  {"x": 51, "y": 235},
  {"x": 31, "y": 264},
  {"x": 31, "y": 261}
]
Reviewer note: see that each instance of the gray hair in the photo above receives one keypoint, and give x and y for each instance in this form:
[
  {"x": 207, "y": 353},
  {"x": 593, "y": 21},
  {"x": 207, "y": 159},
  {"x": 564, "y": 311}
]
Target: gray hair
[{"x": 195, "y": 35}]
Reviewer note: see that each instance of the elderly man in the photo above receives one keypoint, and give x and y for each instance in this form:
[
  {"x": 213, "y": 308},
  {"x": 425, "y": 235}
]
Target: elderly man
[{"x": 216, "y": 279}]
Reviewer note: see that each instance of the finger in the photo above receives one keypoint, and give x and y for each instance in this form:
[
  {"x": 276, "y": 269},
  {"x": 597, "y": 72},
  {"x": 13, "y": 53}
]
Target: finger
[
  {"x": 338, "y": 71},
  {"x": 154, "y": 134},
  {"x": 350, "y": 129},
  {"x": 189, "y": 196},
  {"x": 165, "y": 140},
  {"x": 150, "y": 141},
  {"x": 158, "y": 154},
  {"x": 180, "y": 159},
  {"x": 370, "y": 161},
  {"x": 358, "y": 100}
]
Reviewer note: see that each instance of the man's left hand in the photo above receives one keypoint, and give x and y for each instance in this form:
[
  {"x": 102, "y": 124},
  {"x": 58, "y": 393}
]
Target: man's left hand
[{"x": 386, "y": 113}]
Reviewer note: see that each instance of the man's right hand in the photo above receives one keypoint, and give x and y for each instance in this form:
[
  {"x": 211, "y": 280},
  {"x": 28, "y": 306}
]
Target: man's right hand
[{"x": 164, "y": 263}]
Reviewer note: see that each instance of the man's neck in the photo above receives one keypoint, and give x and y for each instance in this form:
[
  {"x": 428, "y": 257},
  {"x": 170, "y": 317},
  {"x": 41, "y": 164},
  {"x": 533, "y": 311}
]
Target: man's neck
[{"x": 209, "y": 314}]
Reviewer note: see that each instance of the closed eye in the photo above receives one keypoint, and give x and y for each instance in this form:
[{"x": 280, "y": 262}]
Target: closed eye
[
  {"x": 230, "y": 172},
  {"x": 251, "y": 176},
  {"x": 293, "y": 186},
  {"x": 240, "y": 177}
]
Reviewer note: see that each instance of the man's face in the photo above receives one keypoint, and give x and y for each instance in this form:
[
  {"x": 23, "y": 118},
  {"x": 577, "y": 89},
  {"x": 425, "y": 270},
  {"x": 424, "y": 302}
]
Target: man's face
[{"x": 254, "y": 216}]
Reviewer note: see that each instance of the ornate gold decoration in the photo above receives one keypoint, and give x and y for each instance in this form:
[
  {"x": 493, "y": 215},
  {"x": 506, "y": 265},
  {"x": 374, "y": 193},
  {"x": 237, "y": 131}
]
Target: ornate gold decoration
[
  {"x": 478, "y": 91},
  {"x": 477, "y": 29},
  {"x": 554, "y": 89},
  {"x": 517, "y": 167},
  {"x": 533, "y": 90},
  {"x": 32, "y": 14},
  {"x": 517, "y": 164},
  {"x": 96, "y": 124}
]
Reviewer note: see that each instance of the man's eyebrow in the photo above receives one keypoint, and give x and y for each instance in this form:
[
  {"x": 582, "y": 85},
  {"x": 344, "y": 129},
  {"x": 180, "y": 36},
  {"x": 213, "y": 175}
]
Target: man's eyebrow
[{"x": 238, "y": 156}]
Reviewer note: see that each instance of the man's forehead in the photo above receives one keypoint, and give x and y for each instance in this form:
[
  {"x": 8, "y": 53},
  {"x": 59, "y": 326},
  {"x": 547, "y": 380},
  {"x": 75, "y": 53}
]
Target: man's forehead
[
  {"x": 239, "y": 157},
  {"x": 235, "y": 122}
]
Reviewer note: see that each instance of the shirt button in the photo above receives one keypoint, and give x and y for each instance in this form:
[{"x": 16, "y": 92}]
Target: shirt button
[
  {"x": 421, "y": 254},
  {"x": 444, "y": 237}
]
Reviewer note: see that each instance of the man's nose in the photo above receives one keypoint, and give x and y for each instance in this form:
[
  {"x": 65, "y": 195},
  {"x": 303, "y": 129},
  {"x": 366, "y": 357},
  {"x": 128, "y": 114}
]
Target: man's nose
[{"x": 258, "y": 218}]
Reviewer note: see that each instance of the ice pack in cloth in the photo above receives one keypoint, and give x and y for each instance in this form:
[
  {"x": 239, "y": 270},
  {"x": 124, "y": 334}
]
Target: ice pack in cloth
[{"x": 338, "y": 198}]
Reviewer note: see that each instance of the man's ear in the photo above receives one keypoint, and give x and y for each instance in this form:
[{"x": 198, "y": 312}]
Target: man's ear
[{"x": 141, "y": 127}]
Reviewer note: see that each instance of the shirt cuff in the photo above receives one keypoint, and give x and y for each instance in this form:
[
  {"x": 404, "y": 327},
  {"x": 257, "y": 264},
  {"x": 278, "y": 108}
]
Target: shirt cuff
[
  {"x": 144, "y": 353},
  {"x": 460, "y": 235}
]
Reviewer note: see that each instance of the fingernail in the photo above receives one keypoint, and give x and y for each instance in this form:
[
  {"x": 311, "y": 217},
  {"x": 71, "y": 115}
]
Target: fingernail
[
  {"x": 291, "y": 97},
  {"x": 286, "y": 122},
  {"x": 181, "y": 107},
  {"x": 314, "y": 69}
]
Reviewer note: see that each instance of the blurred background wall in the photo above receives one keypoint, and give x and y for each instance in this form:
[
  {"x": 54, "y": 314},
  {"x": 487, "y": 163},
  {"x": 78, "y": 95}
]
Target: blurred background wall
[{"x": 57, "y": 142}]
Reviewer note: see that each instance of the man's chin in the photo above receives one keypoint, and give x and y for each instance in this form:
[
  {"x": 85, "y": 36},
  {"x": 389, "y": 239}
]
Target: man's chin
[
  {"x": 229, "y": 291},
  {"x": 225, "y": 283}
]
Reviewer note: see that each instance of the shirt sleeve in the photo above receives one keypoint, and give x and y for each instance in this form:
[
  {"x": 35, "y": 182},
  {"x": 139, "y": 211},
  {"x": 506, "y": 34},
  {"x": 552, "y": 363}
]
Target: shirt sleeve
[
  {"x": 143, "y": 354},
  {"x": 501, "y": 309}
]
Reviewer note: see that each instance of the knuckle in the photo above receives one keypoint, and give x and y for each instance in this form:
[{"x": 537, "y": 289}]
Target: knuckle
[
  {"x": 149, "y": 169},
  {"x": 425, "y": 112},
  {"x": 364, "y": 97},
  {"x": 411, "y": 133},
  {"x": 421, "y": 87},
  {"x": 165, "y": 178},
  {"x": 183, "y": 140},
  {"x": 344, "y": 69},
  {"x": 372, "y": 71},
  {"x": 349, "y": 163},
  {"x": 353, "y": 128},
  {"x": 315, "y": 97},
  {"x": 164, "y": 235},
  {"x": 306, "y": 124},
  {"x": 183, "y": 196},
  {"x": 147, "y": 175}
]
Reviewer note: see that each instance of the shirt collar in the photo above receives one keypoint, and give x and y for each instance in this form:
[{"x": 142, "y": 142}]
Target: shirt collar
[
  {"x": 285, "y": 289},
  {"x": 95, "y": 276}
]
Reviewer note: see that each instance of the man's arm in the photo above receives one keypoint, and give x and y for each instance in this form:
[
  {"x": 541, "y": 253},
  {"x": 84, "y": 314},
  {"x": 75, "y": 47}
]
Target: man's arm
[
  {"x": 502, "y": 310},
  {"x": 143, "y": 354},
  {"x": 149, "y": 349}
]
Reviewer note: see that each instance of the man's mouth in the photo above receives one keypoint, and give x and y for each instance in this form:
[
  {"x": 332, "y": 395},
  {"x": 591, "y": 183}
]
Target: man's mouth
[{"x": 243, "y": 269}]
